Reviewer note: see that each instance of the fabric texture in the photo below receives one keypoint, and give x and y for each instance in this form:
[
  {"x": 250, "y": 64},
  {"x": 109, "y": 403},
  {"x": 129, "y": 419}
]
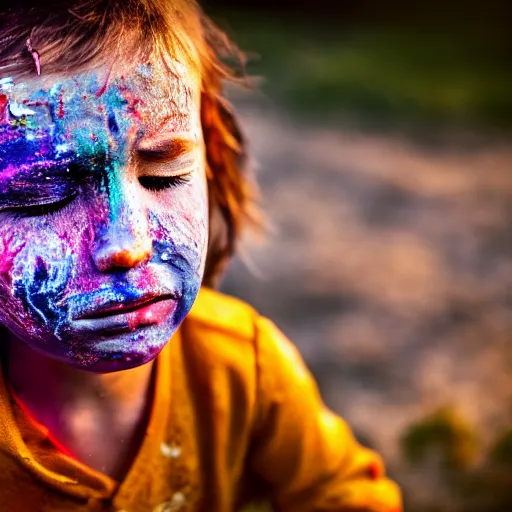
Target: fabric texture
[{"x": 236, "y": 415}]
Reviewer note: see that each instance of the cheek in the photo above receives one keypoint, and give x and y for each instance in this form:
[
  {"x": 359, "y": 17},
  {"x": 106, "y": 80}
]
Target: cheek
[
  {"x": 182, "y": 222},
  {"x": 11, "y": 244},
  {"x": 36, "y": 267}
]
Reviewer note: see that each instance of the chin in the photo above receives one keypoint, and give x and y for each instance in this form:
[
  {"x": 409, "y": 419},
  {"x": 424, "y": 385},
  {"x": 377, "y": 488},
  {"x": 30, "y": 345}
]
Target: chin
[
  {"x": 121, "y": 352},
  {"x": 107, "y": 343},
  {"x": 105, "y": 354}
]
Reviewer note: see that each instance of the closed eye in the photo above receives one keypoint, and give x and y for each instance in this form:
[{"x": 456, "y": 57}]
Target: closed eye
[
  {"x": 37, "y": 210},
  {"x": 158, "y": 183}
]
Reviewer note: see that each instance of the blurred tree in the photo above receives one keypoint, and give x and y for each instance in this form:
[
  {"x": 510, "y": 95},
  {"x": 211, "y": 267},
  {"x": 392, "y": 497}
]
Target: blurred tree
[
  {"x": 453, "y": 444},
  {"x": 443, "y": 433},
  {"x": 489, "y": 488}
]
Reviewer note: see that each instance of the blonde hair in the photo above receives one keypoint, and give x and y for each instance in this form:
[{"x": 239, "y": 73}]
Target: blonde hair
[{"x": 69, "y": 35}]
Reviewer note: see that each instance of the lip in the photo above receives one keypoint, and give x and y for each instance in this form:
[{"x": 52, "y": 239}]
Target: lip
[
  {"x": 121, "y": 318},
  {"x": 116, "y": 309}
]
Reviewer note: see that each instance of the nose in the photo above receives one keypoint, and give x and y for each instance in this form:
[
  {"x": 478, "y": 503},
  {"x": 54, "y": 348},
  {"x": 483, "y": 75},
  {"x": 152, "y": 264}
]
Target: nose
[{"x": 124, "y": 242}]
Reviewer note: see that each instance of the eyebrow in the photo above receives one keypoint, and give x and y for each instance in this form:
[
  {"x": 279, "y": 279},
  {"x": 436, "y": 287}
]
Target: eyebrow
[{"x": 170, "y": 144}]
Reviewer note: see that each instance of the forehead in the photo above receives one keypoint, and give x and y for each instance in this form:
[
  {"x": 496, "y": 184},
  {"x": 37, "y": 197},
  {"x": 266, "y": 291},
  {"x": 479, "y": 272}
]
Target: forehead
[{"x": 98, "y": 106}]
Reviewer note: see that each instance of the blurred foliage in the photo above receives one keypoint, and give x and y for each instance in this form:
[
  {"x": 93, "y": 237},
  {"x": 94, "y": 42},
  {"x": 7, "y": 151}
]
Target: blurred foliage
[
  {"x": 482, "y": 487},
  {"x": 501, "y": 452},
  {"x": 445, "y": 433},
  {"x": 380, "y": 74}
]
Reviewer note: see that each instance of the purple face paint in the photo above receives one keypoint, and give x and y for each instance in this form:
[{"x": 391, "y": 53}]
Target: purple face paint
[{"x": 103, "y": 212}]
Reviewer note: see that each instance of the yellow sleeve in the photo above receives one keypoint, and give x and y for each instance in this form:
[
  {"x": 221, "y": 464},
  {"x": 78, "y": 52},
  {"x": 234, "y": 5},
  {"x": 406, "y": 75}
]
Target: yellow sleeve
[{"x": 303, "y": 451}]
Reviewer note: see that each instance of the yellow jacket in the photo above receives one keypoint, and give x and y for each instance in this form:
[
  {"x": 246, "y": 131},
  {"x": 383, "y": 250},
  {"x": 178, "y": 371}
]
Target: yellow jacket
[{"x": 236, "y": 415}]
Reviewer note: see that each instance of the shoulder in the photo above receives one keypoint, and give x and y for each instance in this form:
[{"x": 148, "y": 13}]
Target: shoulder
[
  {"x": 216, "y": 311},
  {"x": 218, "y": 337},
  {"x": 238, "y": 360},
  {"x": 229, "y": 332}
]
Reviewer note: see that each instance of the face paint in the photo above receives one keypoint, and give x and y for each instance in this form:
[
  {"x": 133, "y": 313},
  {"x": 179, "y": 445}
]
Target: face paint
[{"x": 103, "y": 212}]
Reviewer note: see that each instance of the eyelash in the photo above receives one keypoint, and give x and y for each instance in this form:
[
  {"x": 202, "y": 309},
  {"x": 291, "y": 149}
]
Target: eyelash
[
  {"x": 46, "y": 210},
  {"x": 158, "y": 183}
]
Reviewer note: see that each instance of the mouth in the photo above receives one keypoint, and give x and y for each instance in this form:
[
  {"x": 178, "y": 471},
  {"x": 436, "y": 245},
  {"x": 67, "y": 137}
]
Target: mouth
[
  {"x": 118, "y": 309},
  {"x": 126, "y": 317}
]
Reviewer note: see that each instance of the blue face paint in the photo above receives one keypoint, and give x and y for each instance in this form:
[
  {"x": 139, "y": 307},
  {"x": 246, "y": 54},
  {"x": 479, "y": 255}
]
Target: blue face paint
[{"x": 102, "y": 247}]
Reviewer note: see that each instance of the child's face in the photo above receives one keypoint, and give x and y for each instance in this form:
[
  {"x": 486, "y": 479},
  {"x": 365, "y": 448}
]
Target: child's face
[{"x": 103, "y": 205}]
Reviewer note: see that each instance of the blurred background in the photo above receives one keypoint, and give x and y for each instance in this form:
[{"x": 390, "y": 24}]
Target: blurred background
[{"x": 381, "y": 136}]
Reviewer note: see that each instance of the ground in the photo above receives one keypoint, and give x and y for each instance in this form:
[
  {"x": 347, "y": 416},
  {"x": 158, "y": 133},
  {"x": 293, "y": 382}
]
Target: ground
[{"x": 389, "y": 264}]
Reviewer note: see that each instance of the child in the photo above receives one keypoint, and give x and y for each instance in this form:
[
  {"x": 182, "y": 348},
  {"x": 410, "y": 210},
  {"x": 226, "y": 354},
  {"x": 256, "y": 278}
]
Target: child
[{"x": 122, "y": 194}]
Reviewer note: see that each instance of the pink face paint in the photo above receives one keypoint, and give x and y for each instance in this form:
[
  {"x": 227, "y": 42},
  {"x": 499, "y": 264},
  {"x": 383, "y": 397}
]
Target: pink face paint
[
  {"x": 8, "y": 256},
  {"x": 152, "y": 314},
  {"x": 101, "y": 91},
  {"x": 35, "y": 56},
  {"x": 4, "y": 102},
  {"x": 61, "y": 104}
]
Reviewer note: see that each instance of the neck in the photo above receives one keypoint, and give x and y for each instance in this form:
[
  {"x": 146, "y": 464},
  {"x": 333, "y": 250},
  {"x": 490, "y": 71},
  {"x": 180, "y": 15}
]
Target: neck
[{"x": 83, "y": 409}]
